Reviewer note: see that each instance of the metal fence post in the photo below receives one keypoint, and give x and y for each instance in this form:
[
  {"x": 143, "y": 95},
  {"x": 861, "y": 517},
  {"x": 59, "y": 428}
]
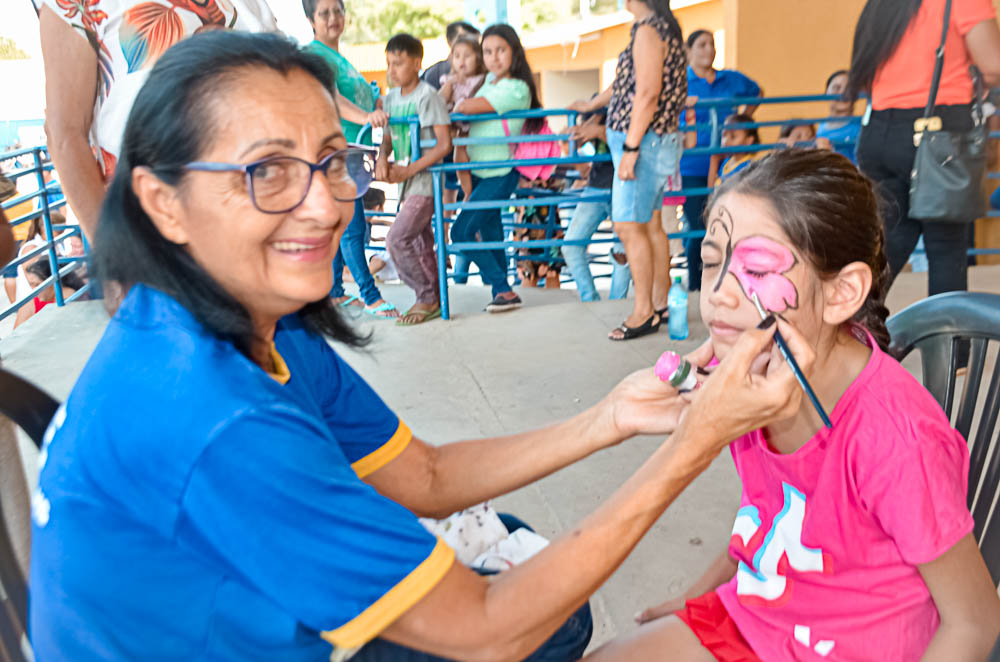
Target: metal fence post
[{"x": 47, "y": 223}]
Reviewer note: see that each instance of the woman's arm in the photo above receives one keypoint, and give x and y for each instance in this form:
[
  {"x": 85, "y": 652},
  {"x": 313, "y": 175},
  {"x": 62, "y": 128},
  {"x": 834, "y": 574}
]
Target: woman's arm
[
  {"x": 590, "y": 105},
  {"x": 467, "y": 617},
  {"x": 6, "y": 239},
  {"x": 437, "y": 481},
  {"x": 70, "y": 90},
  {"x": 983, "y": 42},
  {"x": 351, "y": 112},
  {"x": 966, "y": 601},
  {"x": 649, "y": 51}
]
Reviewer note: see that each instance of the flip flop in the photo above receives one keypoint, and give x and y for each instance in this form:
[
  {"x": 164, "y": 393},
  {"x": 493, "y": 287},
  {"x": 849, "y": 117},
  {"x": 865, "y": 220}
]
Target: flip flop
[
  {"x": 425, "y": 316},
  {"x": 384, "y": 308},
  {"x": 348, "y": 301},
  {"x": 644, "y": 329}
]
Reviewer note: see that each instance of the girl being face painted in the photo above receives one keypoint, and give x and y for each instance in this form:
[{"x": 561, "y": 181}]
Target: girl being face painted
[{"x": 745, "y": 252}]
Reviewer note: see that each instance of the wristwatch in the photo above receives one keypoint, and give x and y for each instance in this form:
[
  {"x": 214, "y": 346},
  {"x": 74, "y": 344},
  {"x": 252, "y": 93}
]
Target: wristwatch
[{"x": 628, "y": 148}]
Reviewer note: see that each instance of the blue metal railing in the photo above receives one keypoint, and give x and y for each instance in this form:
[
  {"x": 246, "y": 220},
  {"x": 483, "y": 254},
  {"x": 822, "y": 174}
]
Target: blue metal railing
[
  {"x": 714, "y": 127},
  {"x": 59, "y": 265}
]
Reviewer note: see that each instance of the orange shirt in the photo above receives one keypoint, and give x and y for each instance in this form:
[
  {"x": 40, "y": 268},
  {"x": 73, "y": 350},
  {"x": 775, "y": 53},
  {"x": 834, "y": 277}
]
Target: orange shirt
[{"x": 904, "y": 80}]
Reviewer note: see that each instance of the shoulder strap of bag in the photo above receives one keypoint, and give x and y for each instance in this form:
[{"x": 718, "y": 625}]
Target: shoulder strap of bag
[{"x": 938, "y": 61}]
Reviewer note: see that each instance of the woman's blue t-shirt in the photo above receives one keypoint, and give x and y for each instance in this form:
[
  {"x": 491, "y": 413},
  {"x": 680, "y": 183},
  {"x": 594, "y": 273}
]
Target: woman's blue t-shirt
[
  {"x": 191, "y": 506},
  {"x": 727, "y": 83},
  {"x": 846, "y": 132}
]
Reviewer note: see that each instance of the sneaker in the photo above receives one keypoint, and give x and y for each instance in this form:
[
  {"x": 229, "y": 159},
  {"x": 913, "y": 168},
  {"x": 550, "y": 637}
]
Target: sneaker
[{"x": 501, "y": 304}]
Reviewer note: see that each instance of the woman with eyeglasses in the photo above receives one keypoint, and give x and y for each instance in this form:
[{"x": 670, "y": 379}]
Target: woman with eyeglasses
[{"x": 220, "y": 484}]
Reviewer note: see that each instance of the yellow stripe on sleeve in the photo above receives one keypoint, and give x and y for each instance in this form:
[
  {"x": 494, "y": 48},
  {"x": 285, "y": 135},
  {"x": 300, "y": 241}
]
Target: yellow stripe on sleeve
[
  {"x": 385, "y": 453},
  {"x": 383, "y": 612}
]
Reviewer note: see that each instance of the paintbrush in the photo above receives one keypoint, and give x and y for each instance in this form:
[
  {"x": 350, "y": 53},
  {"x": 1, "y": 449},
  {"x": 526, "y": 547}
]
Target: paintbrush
[{"x": 796, "y": 370}]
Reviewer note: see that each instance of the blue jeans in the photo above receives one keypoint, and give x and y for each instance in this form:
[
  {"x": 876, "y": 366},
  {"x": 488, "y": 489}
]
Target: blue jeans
[
  {"x": 489, "y": 226},
  {"x": 352, "y": 252},
  {"x": 586, "y": 219},
  {"x": 568, "y": 643},
  {"x": 635, "y": 200},
  {"x": 694, "y": 210},
  {"x": 621, "y": 274}
]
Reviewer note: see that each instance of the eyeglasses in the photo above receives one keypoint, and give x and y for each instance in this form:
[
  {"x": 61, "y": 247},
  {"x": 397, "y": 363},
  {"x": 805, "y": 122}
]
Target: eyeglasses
[{"x": 279, "y": 184}]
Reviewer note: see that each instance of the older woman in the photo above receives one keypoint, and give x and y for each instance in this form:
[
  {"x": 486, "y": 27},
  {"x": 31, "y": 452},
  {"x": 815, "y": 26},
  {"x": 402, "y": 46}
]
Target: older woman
[
  {"x": 220, "y": 484},
  {"x": 357, "y": 99},
  {"x": 646, "y": 99}
]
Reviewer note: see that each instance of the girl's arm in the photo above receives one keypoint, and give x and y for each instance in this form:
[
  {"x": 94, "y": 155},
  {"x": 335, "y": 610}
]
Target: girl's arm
[
  {"x": 723, "y": 569},
  {"x": 446, "y": 91},
  {"x": 967, "y": 602},
  {"x": 713, "y": 169}
]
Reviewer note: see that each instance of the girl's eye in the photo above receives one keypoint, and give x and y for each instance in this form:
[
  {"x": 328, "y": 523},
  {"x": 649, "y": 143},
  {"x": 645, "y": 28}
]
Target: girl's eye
[
  {"x": 705, "y": 265},
  {"x": 755, "y": 274}
]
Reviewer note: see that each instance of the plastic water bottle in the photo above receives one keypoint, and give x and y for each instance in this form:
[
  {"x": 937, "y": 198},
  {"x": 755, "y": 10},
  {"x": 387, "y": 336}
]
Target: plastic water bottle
[{"x": 677, "y": 303}]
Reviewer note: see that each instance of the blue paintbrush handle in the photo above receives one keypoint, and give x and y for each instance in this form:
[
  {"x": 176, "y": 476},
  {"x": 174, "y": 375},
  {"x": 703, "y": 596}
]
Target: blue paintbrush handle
[
  {"x": 793, "y": 364},
  {"x": 783, "y": 347}
]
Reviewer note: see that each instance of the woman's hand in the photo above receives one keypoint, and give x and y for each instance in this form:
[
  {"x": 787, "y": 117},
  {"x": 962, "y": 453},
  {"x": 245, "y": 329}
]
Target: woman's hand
[
  {"x": 643, "y": 404},
  {"x": 754, "y": 383},
  {"x": 379, "y": 119},
  {"x": 626, "y": 167},
  {"x": 580, "y": 106}
]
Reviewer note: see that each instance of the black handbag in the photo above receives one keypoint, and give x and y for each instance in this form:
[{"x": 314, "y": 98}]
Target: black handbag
[{"x": 947, "y": 177}]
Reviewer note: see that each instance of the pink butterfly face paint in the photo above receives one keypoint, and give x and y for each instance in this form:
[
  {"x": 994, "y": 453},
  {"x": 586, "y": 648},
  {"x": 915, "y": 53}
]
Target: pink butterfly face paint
[{"x": 759, "y": 264}]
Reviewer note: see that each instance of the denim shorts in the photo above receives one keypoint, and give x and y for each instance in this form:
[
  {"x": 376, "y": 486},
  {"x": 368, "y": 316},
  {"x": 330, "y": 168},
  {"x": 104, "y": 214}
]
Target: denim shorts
[{"x": 635, "y": 200}]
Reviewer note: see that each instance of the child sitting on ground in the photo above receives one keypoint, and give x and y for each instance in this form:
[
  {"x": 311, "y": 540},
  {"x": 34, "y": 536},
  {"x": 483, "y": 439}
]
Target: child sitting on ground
[
  {"x": 380, "y": 262},
  {"x": 410, "y": 240},
  {"x": 854, "y": 542},
  {"x": 467, "y": 75},
  {"x": 723, "y": 166}
]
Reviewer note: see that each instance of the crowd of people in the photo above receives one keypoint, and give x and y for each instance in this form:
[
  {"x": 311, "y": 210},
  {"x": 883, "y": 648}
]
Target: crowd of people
[{"x": 258, "y": 500}]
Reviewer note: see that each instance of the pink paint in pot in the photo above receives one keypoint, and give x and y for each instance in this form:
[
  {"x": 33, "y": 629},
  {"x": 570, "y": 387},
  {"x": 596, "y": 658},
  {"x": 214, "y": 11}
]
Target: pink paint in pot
[
  {"x": 677, "y": 372},
  {"x": 759, "y": 265}
]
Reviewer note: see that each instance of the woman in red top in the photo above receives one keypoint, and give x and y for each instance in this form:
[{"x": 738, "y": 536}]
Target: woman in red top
[{"x": 893, "y": 61}]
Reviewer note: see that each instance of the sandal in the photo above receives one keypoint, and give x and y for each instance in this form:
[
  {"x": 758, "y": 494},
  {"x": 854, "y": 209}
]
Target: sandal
[
  {"x": 349, "y": 301},
  {"x": 663, "y": 314},
  {"x": 652, "y": 325},
  {"x": 425, "y": 316},
  {"x": 384, "y": 308}
]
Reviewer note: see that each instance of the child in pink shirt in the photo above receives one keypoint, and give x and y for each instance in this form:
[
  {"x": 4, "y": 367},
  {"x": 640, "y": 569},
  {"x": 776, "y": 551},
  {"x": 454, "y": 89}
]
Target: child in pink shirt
[{"x": 851, "y": 543}]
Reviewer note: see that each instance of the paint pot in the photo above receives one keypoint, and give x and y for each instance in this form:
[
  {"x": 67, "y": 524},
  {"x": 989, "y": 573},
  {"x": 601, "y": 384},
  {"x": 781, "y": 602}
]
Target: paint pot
[{"x": 676, "y": 371}]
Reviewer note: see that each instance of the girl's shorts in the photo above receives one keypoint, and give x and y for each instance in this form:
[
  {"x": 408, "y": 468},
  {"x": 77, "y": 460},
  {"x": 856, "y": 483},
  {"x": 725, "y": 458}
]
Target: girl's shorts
[
  {"x": 711, "y": 623},
  {"x": 659, "y": 159}
]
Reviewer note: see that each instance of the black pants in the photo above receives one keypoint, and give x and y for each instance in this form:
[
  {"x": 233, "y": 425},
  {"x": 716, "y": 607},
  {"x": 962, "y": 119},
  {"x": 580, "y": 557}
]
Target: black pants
[
  {"x": 886, "y": 153},
  {"x": 694, "y": 211}
]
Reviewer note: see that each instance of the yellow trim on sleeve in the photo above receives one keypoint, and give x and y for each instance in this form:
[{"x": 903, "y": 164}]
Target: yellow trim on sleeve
[
  {"x": 383, "y": 612},
  {"x": 385, "y": 453},
  {"x": 281, "y": 373}
]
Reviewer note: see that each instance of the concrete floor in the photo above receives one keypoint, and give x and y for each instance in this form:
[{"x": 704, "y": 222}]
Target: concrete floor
[{"x": 482, "y": 375}]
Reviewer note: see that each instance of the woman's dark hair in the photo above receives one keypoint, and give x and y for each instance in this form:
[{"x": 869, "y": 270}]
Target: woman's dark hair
[
  {"x": 880, "y": 29},
  {"x": 662, "y": 9},
  {"x": 830, "y": 213},
  {"x": 172, "y": 122},
  {"x": 519, "y": 69},
  {"x": 740, "y": 118},
  {"x": 41, "y": 269},
  {"x": 693, "y": 37},
  {"x": 838, "y": 72},
  {"x": 309, "y": 7}
]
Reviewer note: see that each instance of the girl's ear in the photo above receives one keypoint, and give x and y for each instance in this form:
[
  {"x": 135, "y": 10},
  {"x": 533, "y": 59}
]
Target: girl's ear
[{"x": 846, "y": 293}]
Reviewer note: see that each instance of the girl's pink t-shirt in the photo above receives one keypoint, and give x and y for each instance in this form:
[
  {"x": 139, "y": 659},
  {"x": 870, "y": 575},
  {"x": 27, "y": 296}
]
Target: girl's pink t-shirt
[{"x": 828, "y": 538}]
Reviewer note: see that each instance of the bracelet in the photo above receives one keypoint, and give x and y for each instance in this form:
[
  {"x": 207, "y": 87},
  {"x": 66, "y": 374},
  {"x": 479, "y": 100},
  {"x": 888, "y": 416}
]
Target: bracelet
[{"x": 628, "y": 148}]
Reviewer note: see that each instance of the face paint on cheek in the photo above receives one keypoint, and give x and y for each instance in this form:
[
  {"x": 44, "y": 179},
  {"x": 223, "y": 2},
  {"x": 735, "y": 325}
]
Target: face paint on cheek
[
  {"x": 759, "y": 264},
  {"x": 722, "y": 221}
]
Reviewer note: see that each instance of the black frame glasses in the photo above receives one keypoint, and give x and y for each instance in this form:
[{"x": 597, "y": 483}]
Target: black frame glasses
[{"x": 355, "y": 168}]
